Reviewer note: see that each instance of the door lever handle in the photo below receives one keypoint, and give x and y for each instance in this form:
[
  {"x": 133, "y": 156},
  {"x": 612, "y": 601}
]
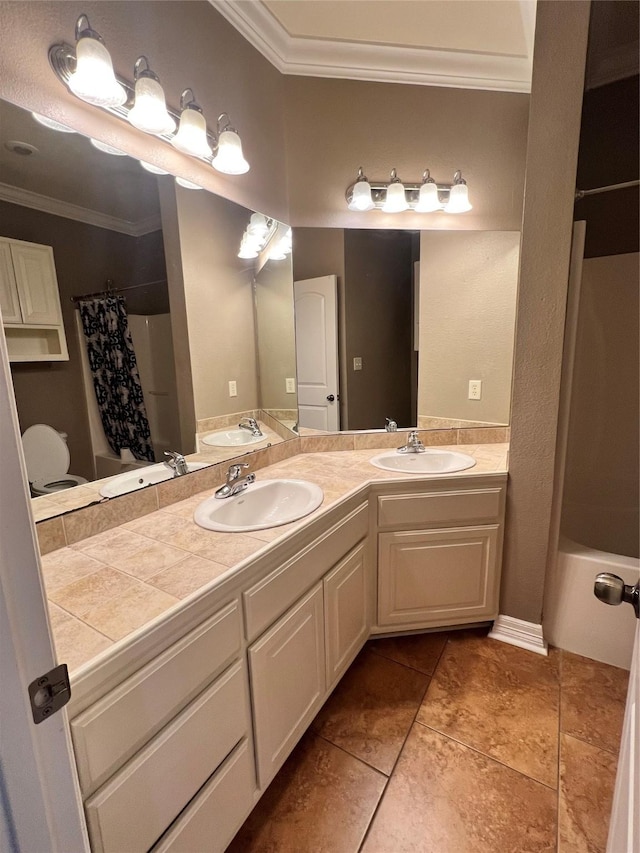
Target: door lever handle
[{"x": 611, "y": 589}]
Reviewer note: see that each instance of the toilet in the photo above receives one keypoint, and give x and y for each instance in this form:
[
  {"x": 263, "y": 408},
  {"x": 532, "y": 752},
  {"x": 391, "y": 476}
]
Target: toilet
[{"x": 47, "y": 457}]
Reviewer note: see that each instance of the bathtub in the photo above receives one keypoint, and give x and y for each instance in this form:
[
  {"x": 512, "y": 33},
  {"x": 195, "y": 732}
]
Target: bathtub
[{"x": 575, "y": 620}]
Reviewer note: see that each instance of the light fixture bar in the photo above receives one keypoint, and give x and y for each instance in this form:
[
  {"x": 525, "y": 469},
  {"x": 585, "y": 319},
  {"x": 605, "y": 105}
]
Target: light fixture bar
[{"x": 412, "y": 193}]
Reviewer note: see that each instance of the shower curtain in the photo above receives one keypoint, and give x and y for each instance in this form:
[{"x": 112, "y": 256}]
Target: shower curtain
[{"x": 115, "y": 376}]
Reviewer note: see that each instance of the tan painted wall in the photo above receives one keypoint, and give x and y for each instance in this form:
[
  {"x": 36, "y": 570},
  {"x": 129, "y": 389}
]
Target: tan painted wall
[
  {"x": 552, "y": 146},
  {"x": 600, "y": 504},
  {"x": 334, "y": 126},
  {"x": 275, "y": 334},
  {"x": 218, "y": 302},
  {"x": 188, "y": 44},
  {"x": 468, "y": 288}
]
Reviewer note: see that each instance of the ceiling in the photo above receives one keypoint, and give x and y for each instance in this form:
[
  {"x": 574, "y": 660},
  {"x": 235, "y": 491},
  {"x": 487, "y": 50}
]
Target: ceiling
[{"x": 474, "y": 44}]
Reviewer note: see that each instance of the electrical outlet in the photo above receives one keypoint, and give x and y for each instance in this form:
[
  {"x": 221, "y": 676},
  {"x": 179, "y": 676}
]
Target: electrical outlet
[
  {"x": 233, "y": 388},
  {"x": 475, "y": 389},
  {"x": 290, "y": 386},
  {"x": 357, "y": 363}
]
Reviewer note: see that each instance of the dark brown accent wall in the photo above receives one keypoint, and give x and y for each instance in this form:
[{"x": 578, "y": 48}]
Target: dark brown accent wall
[
  {"x": 85, "y": 257},
  {"x": 609, "y": 154}
]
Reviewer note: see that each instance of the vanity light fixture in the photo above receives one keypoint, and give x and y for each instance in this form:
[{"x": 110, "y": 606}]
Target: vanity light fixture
[
  {"x": 149, "y": 110},
  {"x": 94, "y": 80},
  {"x": 229, "y": 158},
  {"x": 191, "y": 137},
  {"x": 395, "y": 200},
  {"x": 188, "y": 185},
  {"x": 257, "y": 235},
  {"x": 458, "y": 196},
  {"x": 87, "y": 71},
  {"x": 394, "y": 196}
]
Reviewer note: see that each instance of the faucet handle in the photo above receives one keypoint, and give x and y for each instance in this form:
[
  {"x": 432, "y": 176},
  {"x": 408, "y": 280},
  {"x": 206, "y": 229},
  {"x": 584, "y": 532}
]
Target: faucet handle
[{"x": 235, "y": 470}]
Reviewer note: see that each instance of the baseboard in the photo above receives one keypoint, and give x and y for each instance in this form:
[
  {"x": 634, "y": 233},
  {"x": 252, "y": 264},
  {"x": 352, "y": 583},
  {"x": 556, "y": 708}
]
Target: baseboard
[{"x": 517, "y": 632}]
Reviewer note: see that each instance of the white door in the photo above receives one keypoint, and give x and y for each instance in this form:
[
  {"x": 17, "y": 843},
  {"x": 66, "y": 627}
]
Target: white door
[
  {"x": 624, "y": 827},
  {"x": 40, "y": 806},
  {"x": 316, "y": 321}
]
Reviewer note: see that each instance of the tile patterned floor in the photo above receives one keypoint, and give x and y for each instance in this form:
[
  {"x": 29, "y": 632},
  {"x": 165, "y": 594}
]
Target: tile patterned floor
[{"x": 451, "y": 744}]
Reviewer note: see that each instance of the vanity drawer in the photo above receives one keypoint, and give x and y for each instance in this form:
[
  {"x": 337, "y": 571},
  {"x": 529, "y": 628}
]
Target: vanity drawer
[
  {"x": 269, "y": 599},
  {"x": 213, "y": 818},
  {"x": 137, "y": 805},
  {"x": 438, "y": 507},
  {"x": 108, "y": 733}
]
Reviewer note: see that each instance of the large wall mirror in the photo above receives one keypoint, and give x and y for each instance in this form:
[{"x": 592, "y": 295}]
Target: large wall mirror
[{"x": 212, "y": 333}]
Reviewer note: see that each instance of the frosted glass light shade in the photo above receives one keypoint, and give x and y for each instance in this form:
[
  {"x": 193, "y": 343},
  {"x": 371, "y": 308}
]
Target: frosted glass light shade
[
  {"x": 396, "y": 201},
  {"x": 229, "y": 158},
  {"x": 428, "y": 200},
  {"x": 188, "y": 185},
  {"x": 155, "y": 170},
  {"x": 361, "y": 196},
  {"x": 191, "y": 137},
  {"x": 458, "y": 199},
  {"x": 247, "y": 251},
  {"x": 258, "y": 224},
  {"x": 52, "y": 123},
  {"x": 108, "y": 149},
  {"x": 93, "y": 80},
  {"x": 149, "y": 111}
]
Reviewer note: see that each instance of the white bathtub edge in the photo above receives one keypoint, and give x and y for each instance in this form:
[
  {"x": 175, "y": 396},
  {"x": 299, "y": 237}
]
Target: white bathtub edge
[{"x": 517, "y": 632}]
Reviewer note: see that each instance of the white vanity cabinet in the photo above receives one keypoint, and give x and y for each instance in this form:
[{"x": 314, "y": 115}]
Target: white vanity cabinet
[
  {"x": 30, "y": 302},
  {"x": 439, "y": 554}
]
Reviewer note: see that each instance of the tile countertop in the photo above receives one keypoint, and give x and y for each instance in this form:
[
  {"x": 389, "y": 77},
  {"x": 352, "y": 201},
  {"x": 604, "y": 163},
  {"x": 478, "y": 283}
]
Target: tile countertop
[{"x": 105, "y": 588}]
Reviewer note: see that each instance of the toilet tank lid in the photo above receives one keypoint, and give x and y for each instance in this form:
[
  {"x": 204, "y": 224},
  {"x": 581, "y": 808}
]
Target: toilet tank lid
[{"x": 45, "y": 452}]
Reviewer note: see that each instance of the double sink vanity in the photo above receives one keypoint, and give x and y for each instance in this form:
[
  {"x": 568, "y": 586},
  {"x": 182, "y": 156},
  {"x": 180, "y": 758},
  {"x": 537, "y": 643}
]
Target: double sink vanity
[{"x": 180, "y": 724}]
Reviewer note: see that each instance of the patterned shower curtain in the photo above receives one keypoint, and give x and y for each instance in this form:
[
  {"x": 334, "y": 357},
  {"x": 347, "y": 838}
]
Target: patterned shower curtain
[{"x": 115, "y": 375}]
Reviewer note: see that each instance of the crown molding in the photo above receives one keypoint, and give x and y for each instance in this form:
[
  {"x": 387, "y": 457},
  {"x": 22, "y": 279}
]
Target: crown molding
[
  {"x": 56, "y": 207},
  {"x": 309, "y": 57}
]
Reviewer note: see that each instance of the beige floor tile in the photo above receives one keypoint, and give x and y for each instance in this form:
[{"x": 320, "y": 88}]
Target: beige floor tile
[
  {"x": 371, "y": 711},
  {"x": 187, "y": 576},
  {"x": 587, "y": 777},
  {"x": 148, "y": 560},
  {"x": 65, "y": 566},
  {"x": 593, "y": 701},
  {"x": 75, "y": 642},
  {"x": 132, "y": 609},
  {"x": 102, "y": 586},
  {"x": 158, "y": 525},
  {"x": 321, "y": 802},
  {"x": 446, "y": 798},
  {"x": 420, "y": 651},
  {"x": 111, "y": 545},
  {"x": 500, "y": 700}
]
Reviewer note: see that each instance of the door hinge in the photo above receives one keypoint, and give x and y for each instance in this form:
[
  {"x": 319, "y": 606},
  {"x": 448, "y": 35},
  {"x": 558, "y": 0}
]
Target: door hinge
[{"x": 49, "y": 693}]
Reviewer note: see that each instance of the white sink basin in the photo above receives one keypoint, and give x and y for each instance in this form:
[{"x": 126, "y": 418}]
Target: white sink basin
[
  {"x": 232, "y": 438},
  {"x": 141, "y": 477},
  {"x": 264, "y": 504},
  {"x": 429, "y": 462}
]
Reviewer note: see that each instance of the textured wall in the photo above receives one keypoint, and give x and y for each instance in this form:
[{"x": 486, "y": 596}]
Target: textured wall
[
  {"x": 275, "y": 334},
  {"x": 552, "y": 147},
  {"x": 334, "y": 126},
  {"x": 468, "y": 289}
]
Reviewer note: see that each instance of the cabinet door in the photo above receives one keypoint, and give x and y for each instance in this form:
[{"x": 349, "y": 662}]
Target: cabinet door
[
  {"x": 37, "y": 283},
  {"x": 9, "y": 303},
  {"x": 428, "y": 578},
  {"x": 288, "y": 680},
  {"x": 346, "y": 612}
]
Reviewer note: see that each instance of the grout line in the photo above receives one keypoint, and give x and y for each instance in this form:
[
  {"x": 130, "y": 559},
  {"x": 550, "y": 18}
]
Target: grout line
[
  {"x": 401, "y": 750},
  {"x": 350, "y": 754}
]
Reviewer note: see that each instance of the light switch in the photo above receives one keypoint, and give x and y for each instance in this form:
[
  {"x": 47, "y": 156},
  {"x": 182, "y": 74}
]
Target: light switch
[
  {"x": 233, "y": 388},
  {"x": 357, "y": 363},
  {"x": 290, "y": 385}
]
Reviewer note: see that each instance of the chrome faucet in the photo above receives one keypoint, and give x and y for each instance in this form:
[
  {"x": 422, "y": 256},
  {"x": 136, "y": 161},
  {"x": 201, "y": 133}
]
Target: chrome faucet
[
  {"x": 390, "y": 425},
  {"x": 251, "y": 424},
  {"x": 413, "y": 445},
  {"x": 235, "y": 483},
  {"x": 176, "y": 462}
]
